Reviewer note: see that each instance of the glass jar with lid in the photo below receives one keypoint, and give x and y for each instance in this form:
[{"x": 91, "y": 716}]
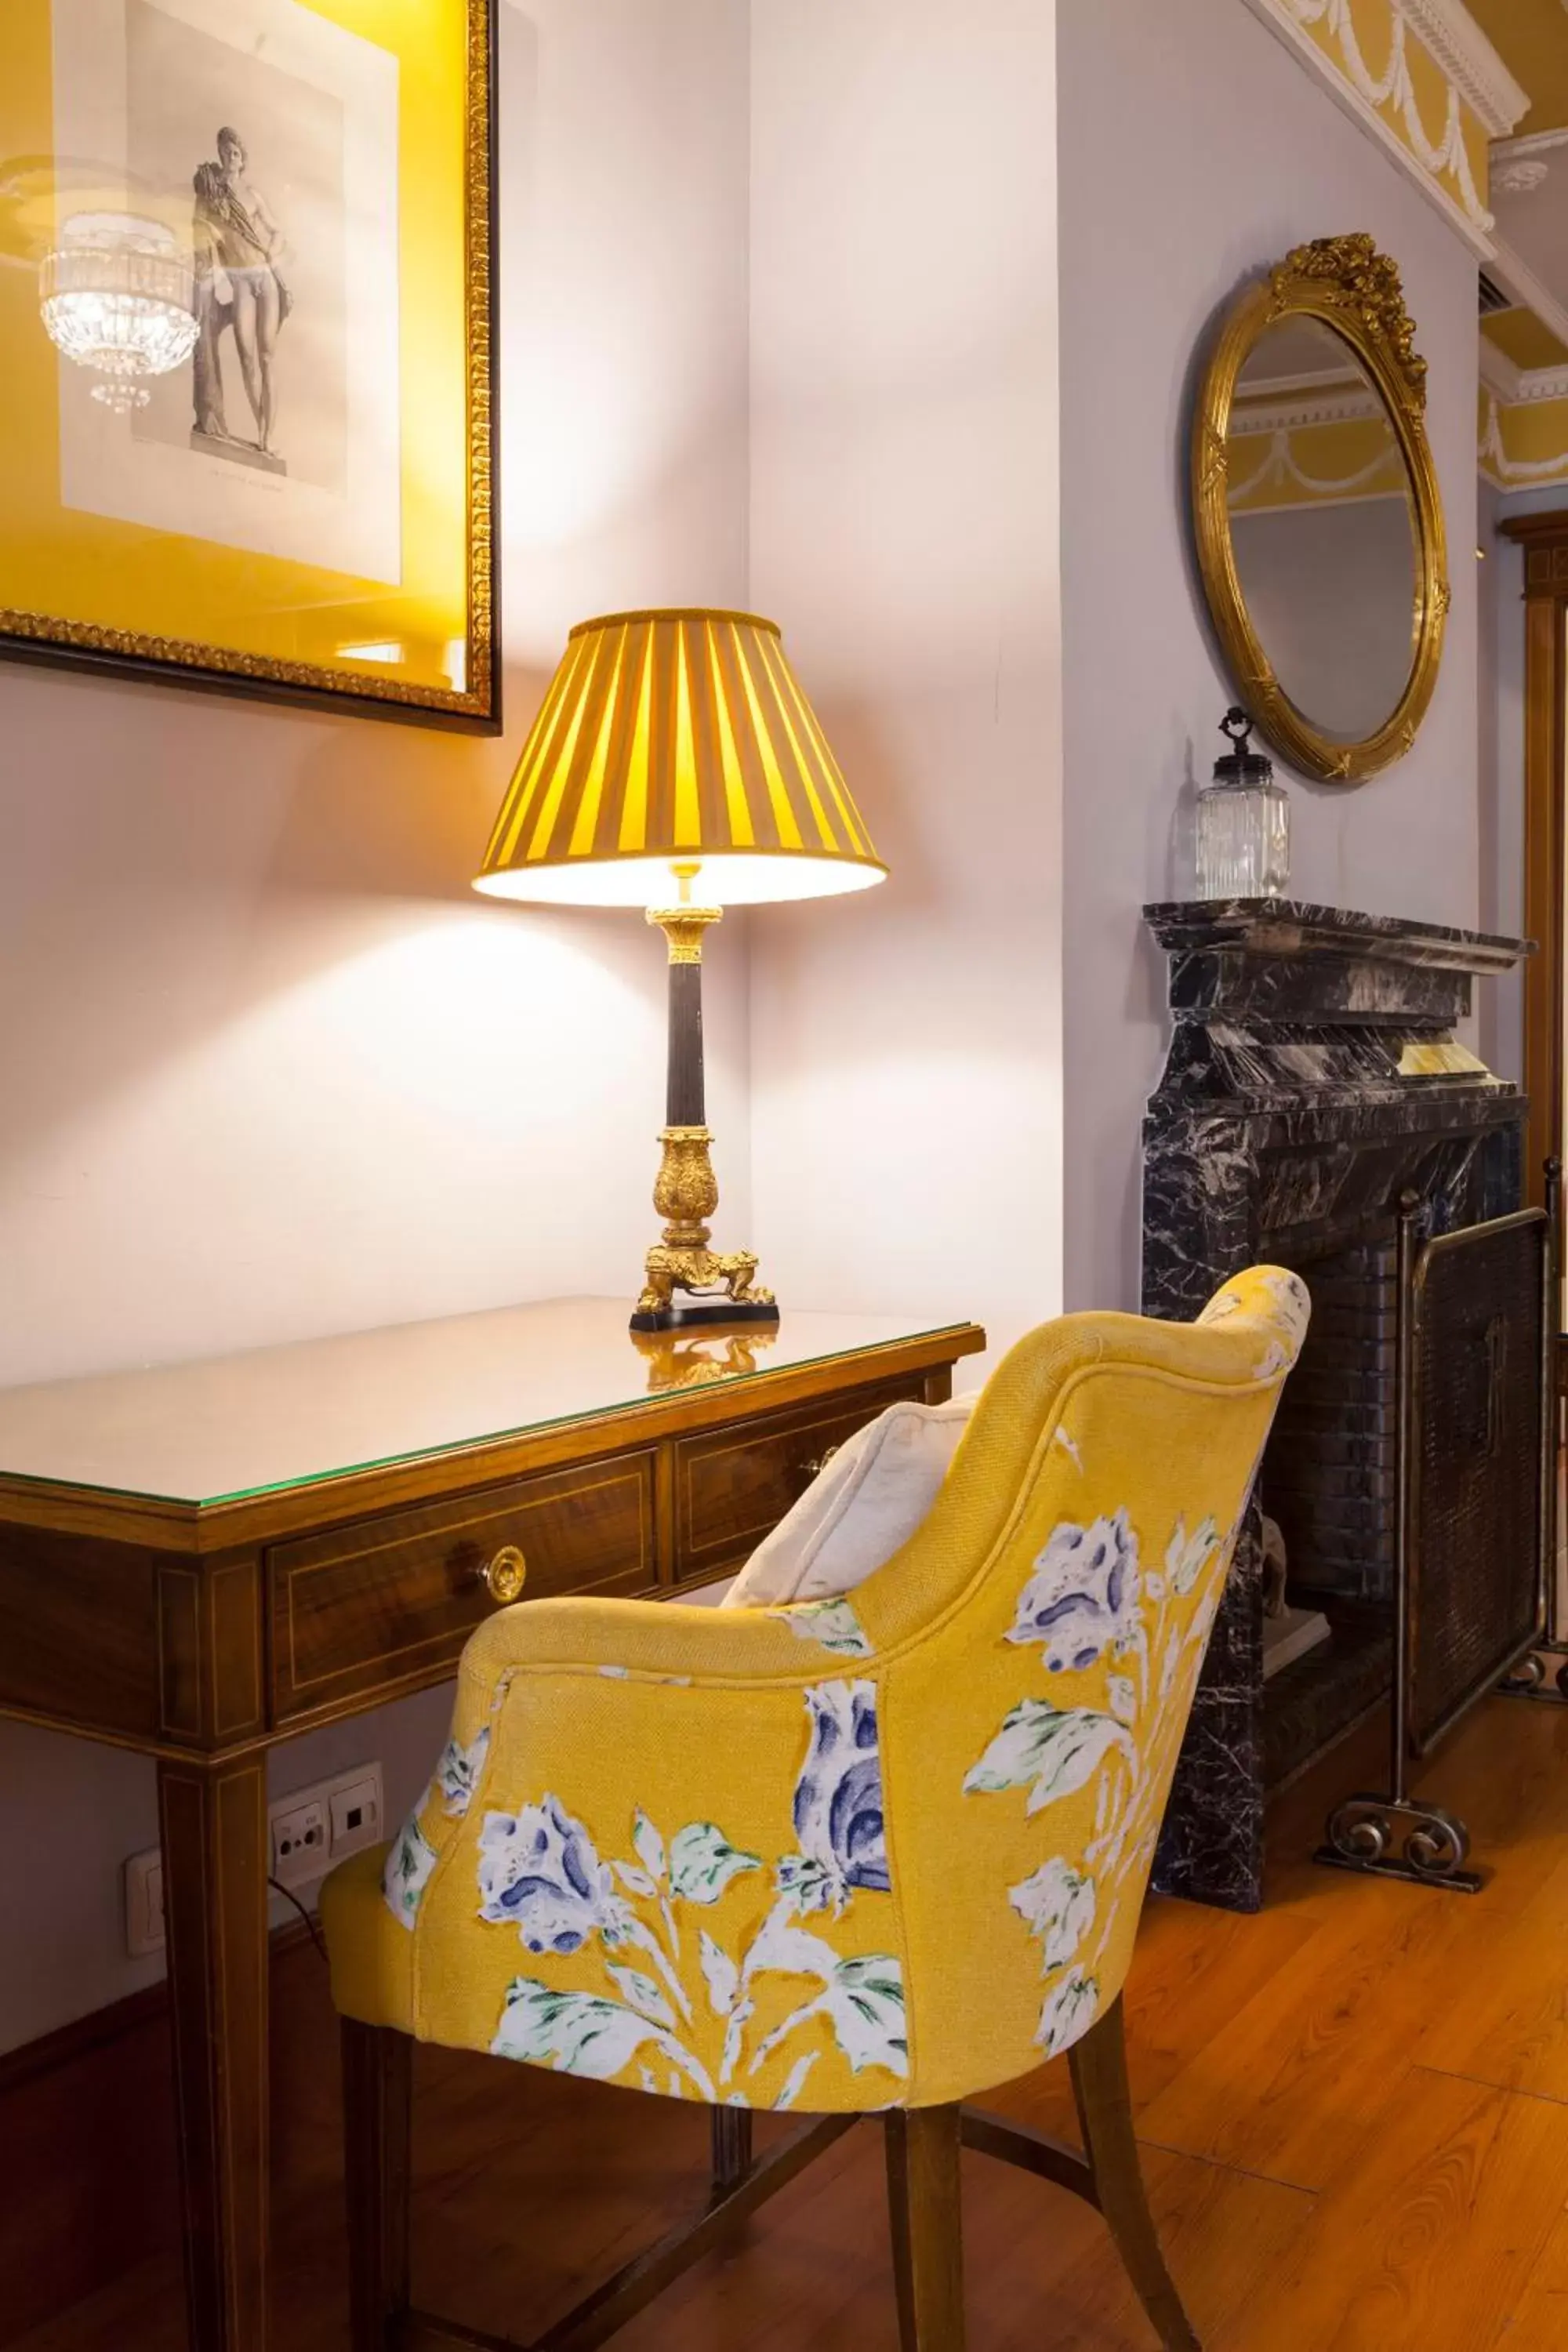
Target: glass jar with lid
[{"x": 1244, "y": 822}]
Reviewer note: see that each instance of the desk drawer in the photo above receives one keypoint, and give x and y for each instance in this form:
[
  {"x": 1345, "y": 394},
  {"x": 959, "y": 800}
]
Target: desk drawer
[
  {"x": 389, "y": 1601},
  {"x": 733, "y": 1489}
]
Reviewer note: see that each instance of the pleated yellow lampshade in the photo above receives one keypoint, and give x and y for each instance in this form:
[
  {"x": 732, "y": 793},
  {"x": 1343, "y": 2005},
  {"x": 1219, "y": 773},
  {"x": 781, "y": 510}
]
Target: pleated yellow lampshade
[{"x": 677, "y": 738}]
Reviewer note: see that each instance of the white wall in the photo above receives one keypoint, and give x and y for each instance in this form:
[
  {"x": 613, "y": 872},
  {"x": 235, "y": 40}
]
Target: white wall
[
  {"x": 906, "y": 1112},
  {"x": 1193, "y": 149},
  {"x": 271, "y": 1069}
]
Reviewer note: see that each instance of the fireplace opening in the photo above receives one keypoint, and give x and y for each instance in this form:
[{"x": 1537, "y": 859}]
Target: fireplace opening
[
  {"x": 1328, "y": 1484},
  {"x": 1330, "y": 1472}
]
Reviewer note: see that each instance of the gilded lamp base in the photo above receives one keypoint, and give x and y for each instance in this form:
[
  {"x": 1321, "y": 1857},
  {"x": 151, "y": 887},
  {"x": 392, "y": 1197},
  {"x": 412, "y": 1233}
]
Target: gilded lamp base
[{"x": 720, "y": 1287}]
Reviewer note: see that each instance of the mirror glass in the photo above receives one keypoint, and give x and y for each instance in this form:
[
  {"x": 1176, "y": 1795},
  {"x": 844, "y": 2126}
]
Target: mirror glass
[{"x": 1324, "y": 528}]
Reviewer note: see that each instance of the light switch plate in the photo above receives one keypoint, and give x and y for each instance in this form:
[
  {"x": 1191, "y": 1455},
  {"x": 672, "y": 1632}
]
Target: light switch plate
[{"x": 145, "y": 1904}]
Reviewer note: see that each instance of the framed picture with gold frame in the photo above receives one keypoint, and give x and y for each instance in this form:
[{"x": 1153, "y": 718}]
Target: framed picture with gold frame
[{"x": 246, "y": 272}]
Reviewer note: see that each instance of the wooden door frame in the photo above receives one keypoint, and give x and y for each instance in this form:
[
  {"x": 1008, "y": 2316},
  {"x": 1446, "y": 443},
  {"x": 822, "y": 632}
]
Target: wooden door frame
[{"x": 1544, "y": 541}]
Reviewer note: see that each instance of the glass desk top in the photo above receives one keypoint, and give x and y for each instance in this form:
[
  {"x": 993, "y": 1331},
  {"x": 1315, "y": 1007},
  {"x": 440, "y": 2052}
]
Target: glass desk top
[{"x": 226, "y": 1427}]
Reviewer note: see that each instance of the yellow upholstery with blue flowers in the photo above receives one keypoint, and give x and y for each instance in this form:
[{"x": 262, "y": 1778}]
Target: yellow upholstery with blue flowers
[{"x": 854, "y": 1853}]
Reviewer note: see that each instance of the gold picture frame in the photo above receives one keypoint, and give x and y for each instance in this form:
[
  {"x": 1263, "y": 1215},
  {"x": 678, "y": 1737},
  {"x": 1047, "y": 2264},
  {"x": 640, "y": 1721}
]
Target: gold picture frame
[
  {"x": 302, "y": 507},
  {"x": 1346, "y": 285}
]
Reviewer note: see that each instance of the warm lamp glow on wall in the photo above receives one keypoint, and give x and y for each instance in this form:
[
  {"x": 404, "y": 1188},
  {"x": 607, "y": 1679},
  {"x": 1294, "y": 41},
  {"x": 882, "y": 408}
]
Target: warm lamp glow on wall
[{"x": 675, "y": 765}]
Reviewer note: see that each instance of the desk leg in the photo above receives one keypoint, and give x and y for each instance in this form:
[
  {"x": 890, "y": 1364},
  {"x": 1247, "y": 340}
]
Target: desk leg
[{"x": 214, "y": 1820}]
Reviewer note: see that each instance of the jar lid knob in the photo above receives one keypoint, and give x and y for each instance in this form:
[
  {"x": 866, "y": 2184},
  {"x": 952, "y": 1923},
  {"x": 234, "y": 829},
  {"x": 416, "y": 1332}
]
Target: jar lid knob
[{"x": 1241, "y": 764}]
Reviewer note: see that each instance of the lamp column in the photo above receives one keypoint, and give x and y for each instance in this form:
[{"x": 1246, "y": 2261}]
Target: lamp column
[{"x": 686, "y": 1193}]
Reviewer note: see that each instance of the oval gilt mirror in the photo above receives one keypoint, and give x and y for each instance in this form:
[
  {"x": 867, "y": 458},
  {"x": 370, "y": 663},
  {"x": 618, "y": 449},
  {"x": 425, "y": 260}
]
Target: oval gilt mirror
[{"x": 1319, "y": 523}]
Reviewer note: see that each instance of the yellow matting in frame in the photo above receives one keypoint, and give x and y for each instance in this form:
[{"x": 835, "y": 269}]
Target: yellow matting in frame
[{"x": 415, "y": 627}]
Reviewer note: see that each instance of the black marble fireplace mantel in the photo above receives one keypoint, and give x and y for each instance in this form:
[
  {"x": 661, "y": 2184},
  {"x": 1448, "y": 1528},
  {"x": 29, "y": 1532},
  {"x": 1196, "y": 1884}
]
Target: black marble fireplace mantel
[
  {"x": 1294, "y": 928},
  {"x": 1312, "y": 1076}
]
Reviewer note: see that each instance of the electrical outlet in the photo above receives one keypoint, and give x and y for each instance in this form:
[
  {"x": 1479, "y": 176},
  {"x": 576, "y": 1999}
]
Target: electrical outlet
[
  {"x": 307, "y": 1834},
  {"x": 299, "y": 1836},
  {"x": 145, "y": 1904},
  {"x": 316, "y": 1827}
]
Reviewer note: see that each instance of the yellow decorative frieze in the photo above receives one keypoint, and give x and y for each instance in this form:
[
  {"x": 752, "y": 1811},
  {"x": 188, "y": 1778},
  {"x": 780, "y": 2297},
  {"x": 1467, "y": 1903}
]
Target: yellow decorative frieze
[
  {"x": 1422, "y": 79},
  {"x": 1524, "y": 443},
  {"x": 1314, "y": 465}
]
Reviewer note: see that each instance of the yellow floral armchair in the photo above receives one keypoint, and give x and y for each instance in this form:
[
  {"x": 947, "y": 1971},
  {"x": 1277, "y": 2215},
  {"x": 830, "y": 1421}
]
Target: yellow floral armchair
[{"x": 874, "y": 1854}]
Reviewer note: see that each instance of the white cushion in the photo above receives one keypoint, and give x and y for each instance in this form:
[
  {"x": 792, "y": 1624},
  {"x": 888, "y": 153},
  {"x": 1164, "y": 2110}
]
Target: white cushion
[
  {"x": 857, "y": 1510},
  {"x": 707, "y": 1596}
]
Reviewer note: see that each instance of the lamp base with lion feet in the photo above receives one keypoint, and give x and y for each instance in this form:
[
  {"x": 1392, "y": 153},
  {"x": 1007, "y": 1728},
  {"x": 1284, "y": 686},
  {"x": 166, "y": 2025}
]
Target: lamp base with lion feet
[{"x": 686, "y": 1195}]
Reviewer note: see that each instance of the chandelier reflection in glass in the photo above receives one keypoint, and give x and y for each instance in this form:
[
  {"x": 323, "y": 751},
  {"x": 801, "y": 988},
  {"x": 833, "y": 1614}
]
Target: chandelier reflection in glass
[{"x": 117, "y": 295}]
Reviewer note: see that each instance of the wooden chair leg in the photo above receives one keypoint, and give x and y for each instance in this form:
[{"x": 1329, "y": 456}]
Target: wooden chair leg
[
  {"x": 378, "y": 2081},
  {"x": 1098, "y": 2063},
  {"x": 924, "y": 2209},
  {"x": 732, "y": 2145}
]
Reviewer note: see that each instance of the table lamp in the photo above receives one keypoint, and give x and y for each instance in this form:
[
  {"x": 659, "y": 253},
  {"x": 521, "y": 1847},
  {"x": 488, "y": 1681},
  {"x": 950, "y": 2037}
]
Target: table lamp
[{"x": 677, "y": 765}]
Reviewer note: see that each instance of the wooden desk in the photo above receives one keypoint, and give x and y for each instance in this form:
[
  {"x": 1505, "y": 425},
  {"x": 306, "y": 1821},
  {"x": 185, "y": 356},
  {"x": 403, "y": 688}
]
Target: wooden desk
[{"x": 201, "y": 1561}]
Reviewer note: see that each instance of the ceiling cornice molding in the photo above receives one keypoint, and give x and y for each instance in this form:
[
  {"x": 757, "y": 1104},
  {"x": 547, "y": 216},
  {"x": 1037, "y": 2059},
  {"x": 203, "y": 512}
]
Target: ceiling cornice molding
[
  {"x": 1516, "y": 387},
  {"x": 1533, "y": 143},
  {"x": 1302, "y": 382},
  {"x": 1516, "y": 277},
  {"x": 1542, "y": 383},
  {"x": 1499, "y": 374},
  {"x": 1457, "y": 44},
  {"x": 1288, "y": 20},
  {"x": 1358, "y": 406}
]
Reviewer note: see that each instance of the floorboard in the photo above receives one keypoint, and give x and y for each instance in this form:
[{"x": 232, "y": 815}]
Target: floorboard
[
  {"x": 1354, "y": 2110},
  {"x": 1429, "y": 2236}
]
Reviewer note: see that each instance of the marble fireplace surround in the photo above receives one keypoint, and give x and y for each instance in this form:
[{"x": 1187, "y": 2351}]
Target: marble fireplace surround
[{"x": 1313, "y": 1074}]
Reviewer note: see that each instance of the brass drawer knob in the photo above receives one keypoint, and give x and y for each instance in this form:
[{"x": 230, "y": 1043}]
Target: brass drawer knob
[
  {"x": 818, "y": 1464},
  {"x": 504, "y": 1575}
]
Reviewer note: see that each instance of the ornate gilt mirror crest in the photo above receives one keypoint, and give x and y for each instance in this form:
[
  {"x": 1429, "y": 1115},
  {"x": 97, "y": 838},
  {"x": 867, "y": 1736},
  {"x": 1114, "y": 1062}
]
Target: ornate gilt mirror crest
[{"x": 1316, "y": 512}]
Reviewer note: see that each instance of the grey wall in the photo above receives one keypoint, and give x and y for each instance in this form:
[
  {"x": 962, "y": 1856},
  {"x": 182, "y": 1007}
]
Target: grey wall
[{"x": 1193, "y": 149}]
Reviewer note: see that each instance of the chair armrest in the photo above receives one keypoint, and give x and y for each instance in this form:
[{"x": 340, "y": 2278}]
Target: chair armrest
[
  {"x": 666, "y": 1641},
  {"x": 557, "y": 1662}
]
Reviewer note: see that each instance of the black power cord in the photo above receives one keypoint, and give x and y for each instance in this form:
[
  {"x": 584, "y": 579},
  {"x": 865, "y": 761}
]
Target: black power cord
[{"x": 290, "y": 1896}]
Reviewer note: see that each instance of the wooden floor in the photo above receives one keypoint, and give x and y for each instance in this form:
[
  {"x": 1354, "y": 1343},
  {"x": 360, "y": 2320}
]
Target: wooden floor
[{"x": 1354, "y": 2110}]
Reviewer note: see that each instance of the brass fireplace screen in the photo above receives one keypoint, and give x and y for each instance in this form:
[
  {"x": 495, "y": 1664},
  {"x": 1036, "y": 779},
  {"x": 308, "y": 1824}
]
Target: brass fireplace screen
[{"x": 1476, "y": 1516}]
